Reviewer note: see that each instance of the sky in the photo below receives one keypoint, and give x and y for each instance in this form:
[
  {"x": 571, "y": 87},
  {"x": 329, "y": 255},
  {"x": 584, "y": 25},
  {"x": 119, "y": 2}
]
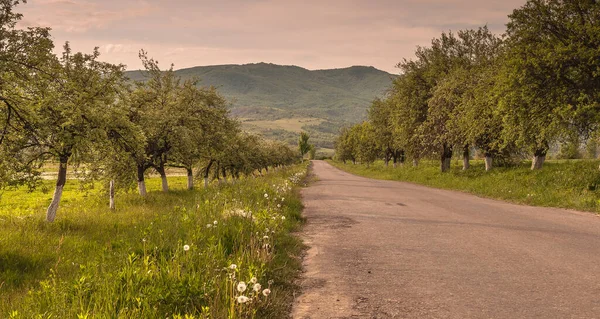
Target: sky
[{"x": 315, "y": 34}]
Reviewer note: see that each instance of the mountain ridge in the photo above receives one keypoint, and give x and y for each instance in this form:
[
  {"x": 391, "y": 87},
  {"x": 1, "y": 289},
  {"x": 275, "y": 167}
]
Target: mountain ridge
[{"x": 326, "y": 99}]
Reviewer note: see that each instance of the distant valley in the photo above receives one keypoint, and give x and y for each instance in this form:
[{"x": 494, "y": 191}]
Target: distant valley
[{"x": 280, "y": 101}]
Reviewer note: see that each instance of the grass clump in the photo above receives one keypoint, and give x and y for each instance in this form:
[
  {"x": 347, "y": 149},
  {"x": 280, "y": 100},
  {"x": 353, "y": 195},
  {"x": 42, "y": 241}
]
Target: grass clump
[
  {"x": 573, "y": 184},
  {"x": 183, "y": 254}
]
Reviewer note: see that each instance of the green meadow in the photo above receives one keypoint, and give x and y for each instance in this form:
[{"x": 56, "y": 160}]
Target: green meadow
[
  {"x": 573, "y": 184},
  {"x": 226, "y": 251}
]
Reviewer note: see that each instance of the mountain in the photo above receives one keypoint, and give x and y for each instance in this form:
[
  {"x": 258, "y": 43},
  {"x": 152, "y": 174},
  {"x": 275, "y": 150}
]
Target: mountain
[{"x": 279, "y": 101}]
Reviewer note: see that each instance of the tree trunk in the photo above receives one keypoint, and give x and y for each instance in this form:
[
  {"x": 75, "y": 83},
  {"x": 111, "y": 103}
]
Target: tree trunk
[
  {"x": 488, "y": 162},
  {"x": 539, "y": 157},
  {"x": 163, "y": 177},
  {"x": 141, "y": 182},
  {"x": 60, "y": 184},
  {"x": 415, "y": 162},
  {"x": 466, "y": 164},
  {"x": 224, "y": 173},
  {"x": 445, "y": 158},
  {"x": 190, "y": 179},
  {"x": 206, "y": 173},
  {"x": 111, "y": 192}
]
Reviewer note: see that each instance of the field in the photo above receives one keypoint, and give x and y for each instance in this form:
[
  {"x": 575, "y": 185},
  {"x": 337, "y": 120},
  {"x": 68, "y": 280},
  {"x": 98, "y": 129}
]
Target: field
[
  {"x": 288, "y": 124},
  {"x": 573, "y": 184},
  {"x": 177, "y": 254}
]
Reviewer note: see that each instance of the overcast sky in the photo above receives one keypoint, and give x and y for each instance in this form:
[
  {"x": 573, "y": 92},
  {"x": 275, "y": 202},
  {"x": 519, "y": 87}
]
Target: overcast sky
[{"x": 315, "y": 34}]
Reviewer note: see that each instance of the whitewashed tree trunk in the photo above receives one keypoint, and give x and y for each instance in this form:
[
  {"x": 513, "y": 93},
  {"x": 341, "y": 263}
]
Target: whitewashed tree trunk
[
  {"x": 60, "y": 184},
  {"x": 142, "y": 188},
  {"x": 205, "y": 182},
  {"x": 415, "y": 162},
  {"x": 165, "y": 183},
  {"x": 111, "y": 193},
  {"x": 539, "y": 157},
  {"x": 163, "y": 178},
  {"x": 141, "y": 181},
  {"x": 538, "y": 162},
  {"x": 488, "y": 163},
  {"x": 466, "y": 163}
]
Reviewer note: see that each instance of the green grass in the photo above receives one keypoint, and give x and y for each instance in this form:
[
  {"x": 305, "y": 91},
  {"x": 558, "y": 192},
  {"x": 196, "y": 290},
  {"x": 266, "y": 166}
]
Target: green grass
[
  {"x": 566, "y": 184},
  {"x": 96, "y": 263}
]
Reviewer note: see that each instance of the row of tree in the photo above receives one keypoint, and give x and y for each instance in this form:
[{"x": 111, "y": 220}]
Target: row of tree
[
  {"x": 537, "y": 85},
  {"x": 79, "y": 112}
]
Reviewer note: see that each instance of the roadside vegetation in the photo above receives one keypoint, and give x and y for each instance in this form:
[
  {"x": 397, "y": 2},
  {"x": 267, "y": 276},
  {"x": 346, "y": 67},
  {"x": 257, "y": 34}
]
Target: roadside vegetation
[
  {"x": 487, "y": 103},
  {"x": 566, "y": 184},
  {"x": 534, "y": 90},
  {"x": 220, "y": 252},
  {"x": 171, "y": 249}
]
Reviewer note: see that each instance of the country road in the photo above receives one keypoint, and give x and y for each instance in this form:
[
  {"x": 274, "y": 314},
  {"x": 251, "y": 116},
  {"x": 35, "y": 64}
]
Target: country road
[{"x": 383, "y": 249}]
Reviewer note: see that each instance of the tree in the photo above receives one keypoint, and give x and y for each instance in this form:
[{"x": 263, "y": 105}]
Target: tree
[
  {"x": 303, "y": 145},
  {"x": 205, "y": 115},
  {"x": 24, "y": 56},
  {"x": 550, "y": 81},
  {"x": 66, "y": 110},
  {"x": 154, "y": 110}
]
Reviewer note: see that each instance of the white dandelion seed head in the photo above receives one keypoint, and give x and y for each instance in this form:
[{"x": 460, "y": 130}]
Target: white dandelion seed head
[
  {"x": 233, "y": 266},
  {"x": 266, "y": 195},
  {"x": 215, "y": 222},
  {"x": 266, "y": 292},
  {"x": 282, "y": 217},
  {"x": 265, "y": 237},
  {"x": 242, "y": 299},
  {"x": 186, "y": 247},
  {"x": 253, "y": 280},
  {"x": 209, "y": 225},
  {"x": 241, "y": 287},
  {"x": 257, "y": 287},
  {"x": 278, "y": 205}
]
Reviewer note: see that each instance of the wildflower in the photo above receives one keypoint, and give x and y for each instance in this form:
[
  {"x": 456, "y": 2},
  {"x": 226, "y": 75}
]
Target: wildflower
[
  {"x": 266, "y": 195},
  {"x": 233, "y": 266},
  {"x": 257, "y": 287},
  {"x": 241, "y": 287},
  {"x": 215, "y": 223},
  {"x": 266, "y": 292},
  {"x": 242, "y": 299},
  {"x": 253, "y": 280},
  {"x": 186, "y": 247}
]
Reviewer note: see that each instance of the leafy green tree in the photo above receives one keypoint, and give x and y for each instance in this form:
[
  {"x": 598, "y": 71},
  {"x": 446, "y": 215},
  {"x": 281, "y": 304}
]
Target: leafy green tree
[
  {"x": 154, "y": 109},
  {"x": 303, "y": 145},
  {"x": 67, "y": 113},
  {"x": 24, "y": 56},
  {"x": 550, "y": 83},
  {"x": 204, "y": 116}
]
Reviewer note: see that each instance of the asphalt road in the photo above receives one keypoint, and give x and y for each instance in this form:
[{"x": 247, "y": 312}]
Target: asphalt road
[{"x": 382, "y": 249}]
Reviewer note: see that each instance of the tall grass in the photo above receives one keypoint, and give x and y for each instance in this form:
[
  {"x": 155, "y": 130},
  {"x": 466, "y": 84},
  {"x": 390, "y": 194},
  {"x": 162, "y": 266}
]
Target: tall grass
[
  {"x": 571, "y": 184},
  {"x": 169, "y": 255}
]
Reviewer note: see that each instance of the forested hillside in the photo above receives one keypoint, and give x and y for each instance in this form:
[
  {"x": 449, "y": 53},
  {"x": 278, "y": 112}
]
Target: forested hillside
[{"x": 320, "y": 102}]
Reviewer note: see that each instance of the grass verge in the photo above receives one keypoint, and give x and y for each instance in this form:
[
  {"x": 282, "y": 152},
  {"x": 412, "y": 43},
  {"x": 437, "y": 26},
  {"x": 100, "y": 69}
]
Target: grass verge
[
  {"x": 566, "y": 184},
  {"x": 223, "y": 252}
]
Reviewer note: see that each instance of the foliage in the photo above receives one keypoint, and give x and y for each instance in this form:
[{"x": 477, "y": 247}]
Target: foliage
[
  {"x": 133, "y": 263},
  {"x": 537, "y": 86}
]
